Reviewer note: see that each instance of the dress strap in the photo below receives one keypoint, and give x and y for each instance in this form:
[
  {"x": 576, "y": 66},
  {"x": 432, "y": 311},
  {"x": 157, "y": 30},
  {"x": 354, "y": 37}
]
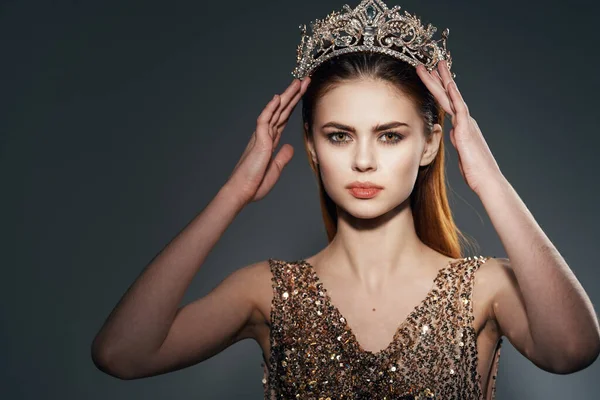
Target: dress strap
[
  {"x": 279, "y": 316},
  {"x": 494, "y": 372},
  {"x": 279, "y": 285},
  {"x": 465, "y": 287},
  {"x": 287, "y": 281},
  {"x": 465, "y": 309},
  {"x": 276, "y": 267}
]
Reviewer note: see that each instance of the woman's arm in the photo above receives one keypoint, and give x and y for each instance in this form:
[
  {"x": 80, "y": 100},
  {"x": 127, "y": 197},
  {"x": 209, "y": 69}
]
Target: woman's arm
[
  {"x": 146, "y": 333},
  {"x": 141, "y": 321},
  {"x": 538, "y": 302}
]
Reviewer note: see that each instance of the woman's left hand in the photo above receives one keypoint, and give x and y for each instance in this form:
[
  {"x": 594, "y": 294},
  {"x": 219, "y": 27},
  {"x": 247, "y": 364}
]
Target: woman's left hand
[{"x": 475, "y": 160}]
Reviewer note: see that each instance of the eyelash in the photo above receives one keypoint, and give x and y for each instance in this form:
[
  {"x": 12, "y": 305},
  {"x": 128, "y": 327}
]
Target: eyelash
[{"x": 341, "y": 143}]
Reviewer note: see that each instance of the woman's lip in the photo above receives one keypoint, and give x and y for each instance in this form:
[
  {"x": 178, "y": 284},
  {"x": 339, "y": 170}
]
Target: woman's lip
[{"x": 364, "y": 193}]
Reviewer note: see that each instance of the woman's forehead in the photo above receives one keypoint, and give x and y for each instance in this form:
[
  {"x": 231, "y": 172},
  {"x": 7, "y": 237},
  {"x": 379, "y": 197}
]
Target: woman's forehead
[{"x": 363, "y": 101}]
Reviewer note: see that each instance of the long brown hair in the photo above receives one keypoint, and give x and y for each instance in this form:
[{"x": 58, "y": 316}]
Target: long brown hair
[{"x": 434, "y": 223}]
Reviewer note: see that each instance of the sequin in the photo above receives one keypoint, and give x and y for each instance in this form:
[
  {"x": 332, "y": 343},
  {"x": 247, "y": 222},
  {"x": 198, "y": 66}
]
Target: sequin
[{"x": 315, "y": 355}]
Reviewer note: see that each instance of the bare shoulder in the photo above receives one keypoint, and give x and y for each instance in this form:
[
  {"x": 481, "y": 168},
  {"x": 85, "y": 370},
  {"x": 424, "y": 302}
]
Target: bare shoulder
[
  {"x": 493, "y": 276},
  {"x": 255, "y": 280},
  {"x": 230, "y": 312},
  {"x": 495, "y": 273}
]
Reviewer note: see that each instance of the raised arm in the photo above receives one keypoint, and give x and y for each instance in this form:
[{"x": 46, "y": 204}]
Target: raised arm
[
  {"x": 537, "y": 301},
  {"x": 147, "y": 333}
]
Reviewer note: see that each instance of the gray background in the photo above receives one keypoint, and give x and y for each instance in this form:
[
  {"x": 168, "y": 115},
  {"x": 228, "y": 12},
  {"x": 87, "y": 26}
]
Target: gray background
[{"x": 120, "y": 120}]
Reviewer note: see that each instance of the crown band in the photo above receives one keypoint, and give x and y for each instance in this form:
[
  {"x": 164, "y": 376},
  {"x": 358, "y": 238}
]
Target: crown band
[{"x": 382, "y": 30}]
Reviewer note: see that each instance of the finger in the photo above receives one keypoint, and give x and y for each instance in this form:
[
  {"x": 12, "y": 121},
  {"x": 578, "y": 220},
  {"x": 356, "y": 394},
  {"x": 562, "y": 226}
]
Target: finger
[
  {"x": 272, "y": 125},
  {"x": 288, "y": 94},
  {"x": 286, "y": 102},
  {"x": 436, "y": 77},
  {"x": 443, "y": 77},
  {"x": 262, "y": 122},
  {"x": 457, "y": 100},
  {"x": 455, "y": 97},
  {"x": 435, "y": 87},
  {"x": 439, "y": 80},
  {"x": 274, "y": 169},
  {"x": 442, "y": 69},
  {"x": 285, "y": 114},
  {"x": 429, "y": 76},
  {"x": 284, "y": 117}
]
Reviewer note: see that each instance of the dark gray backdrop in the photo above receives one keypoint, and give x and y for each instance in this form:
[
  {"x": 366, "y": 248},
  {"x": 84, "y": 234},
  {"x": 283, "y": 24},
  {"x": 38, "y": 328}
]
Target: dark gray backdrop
[{"x": 120, "y": 120}]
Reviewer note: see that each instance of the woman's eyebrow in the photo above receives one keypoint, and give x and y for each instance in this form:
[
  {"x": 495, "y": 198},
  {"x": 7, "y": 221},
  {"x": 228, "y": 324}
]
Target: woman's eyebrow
[{"x": 376, "y": 128}]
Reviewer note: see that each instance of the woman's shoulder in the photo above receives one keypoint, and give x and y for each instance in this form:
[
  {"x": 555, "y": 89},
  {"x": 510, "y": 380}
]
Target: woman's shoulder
[
  {"x": 261, "y": 278},
  {"x": 266, "y": 276},
  {"x": 490, "y": 275},
  {"x": 490, "y": 268},
  {"x": 494, "y": 274},
  {"x": 489, "y": 265}
]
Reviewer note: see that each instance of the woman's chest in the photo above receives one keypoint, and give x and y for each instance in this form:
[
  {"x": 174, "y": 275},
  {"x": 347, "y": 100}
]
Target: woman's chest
[
  {"x": 304, "y": 336},
  {"x": 448, "y": 334},
  {"x": 375, "y": 330}
]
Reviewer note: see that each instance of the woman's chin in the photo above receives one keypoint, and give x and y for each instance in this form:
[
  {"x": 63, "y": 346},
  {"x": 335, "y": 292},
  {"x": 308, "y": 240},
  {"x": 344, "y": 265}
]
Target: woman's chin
[{"x": 362, "y": 209}]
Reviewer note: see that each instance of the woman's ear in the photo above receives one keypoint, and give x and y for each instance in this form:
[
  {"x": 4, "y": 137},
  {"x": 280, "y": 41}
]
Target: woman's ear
[
  {"x": 311, "y": 144},
  {"x": 432, "y": 145}
]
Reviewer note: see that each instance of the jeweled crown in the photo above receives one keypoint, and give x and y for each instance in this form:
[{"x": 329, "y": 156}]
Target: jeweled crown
[{"x": 371, "y": 26}]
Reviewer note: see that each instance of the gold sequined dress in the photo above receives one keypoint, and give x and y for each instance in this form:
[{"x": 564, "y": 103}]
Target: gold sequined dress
[{"x": 315, "y": 355}]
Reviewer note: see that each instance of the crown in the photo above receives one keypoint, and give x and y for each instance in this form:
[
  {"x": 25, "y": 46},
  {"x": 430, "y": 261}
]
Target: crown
[{"x": 370, "y": 27}]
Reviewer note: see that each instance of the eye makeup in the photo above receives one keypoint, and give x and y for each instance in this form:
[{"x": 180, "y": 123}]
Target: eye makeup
[{"x": 388, "y": 142}]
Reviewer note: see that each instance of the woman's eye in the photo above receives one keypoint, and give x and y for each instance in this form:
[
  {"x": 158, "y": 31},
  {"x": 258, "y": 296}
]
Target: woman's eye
[
  {"x": 390, "y": 138},
  {"x": 336, "y": 135},
  {"x": 393, "y": 135}
]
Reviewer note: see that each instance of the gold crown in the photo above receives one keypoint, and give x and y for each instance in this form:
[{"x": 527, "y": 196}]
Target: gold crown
[{"x": 382, "y": 30}]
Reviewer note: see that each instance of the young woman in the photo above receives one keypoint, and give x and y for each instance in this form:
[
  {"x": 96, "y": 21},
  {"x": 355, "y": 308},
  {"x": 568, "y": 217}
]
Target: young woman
[{"x": 390, "y": 308}]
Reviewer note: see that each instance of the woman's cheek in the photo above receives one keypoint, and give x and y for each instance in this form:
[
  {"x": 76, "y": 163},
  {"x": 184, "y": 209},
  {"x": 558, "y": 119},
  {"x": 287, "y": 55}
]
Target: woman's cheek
[{"x": 332, "y": 178}]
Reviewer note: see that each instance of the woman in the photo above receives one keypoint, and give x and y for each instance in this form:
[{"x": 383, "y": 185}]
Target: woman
[{"x": 390, "y": 308}]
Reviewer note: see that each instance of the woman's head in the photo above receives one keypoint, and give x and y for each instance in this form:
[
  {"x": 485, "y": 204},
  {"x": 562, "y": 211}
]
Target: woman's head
[{"x": 348, "y": 97}]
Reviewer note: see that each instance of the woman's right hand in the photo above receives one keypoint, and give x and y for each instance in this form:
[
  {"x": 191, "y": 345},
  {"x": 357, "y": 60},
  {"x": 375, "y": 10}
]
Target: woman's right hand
[{"x": 257, "y": 171}]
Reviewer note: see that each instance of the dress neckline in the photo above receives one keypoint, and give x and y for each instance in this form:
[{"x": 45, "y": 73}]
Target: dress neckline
[{"x": 348, "y": 330}]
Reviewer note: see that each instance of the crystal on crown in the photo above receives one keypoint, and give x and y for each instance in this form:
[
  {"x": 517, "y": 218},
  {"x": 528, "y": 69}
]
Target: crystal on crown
[{"x": 370, "y": 27}]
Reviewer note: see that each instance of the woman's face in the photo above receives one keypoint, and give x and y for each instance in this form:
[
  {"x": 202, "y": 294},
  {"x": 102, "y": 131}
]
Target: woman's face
[{"x": 367, "y": 130}]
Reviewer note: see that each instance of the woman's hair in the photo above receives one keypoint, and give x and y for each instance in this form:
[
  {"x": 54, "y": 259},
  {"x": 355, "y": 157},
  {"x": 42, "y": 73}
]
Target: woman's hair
[{"x": 434, "y": 224}]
